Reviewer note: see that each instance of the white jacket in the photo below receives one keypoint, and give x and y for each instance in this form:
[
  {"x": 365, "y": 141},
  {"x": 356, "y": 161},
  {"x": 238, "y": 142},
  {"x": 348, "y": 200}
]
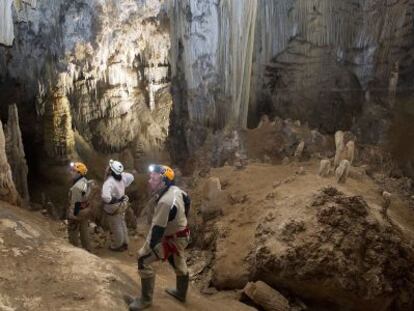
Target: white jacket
[{"x": 113, "y": 188}]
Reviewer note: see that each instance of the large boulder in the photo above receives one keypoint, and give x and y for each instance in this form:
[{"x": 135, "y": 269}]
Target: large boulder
[{"x": 338, "y": 253}]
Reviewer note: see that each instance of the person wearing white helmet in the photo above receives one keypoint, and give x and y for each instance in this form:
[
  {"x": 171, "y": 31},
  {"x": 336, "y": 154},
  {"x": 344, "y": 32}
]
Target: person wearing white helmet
[{"x": 116, "y": 203}]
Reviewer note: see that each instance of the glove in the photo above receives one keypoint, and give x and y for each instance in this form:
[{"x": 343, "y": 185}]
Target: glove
[{"x": 114, "y": 200}]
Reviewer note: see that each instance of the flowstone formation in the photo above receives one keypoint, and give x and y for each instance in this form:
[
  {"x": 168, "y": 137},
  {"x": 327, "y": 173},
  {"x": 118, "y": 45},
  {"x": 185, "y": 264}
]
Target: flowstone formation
[{"x": 95, "y": 69}]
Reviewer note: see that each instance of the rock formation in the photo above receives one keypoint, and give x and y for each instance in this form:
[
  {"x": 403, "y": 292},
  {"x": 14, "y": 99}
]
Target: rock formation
[
  {"x": 314, "y": 61},
  {"x": 8, "y": 190},
  {"x": 6, "y": 24},
  {"x": 210, "y": 206},
  {"x": 343, "y": 151},
  {"x": 309, "y": 61},
  {"x": 330, "y": 260},
  {"x": 350, "y": 151},
  {"x": 100, "y": 69},
  {"x": 324, "y": 168},
  {"x": 266, "y": 297},
  {"x": 285, "y": 138},
  {"x": 386, "y": 203},
  {"x": 15, "y": 153},
  {"x": 342, "y": 171},
  {"x": 339, "y": 147},
  {"x": 299, "y": 150},
  {"x": 58, "y": 134}
]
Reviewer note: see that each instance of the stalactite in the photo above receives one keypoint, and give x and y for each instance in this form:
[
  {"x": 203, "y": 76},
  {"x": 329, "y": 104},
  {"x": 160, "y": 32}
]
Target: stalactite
[
  {"x": 238, "y": 21},
  {"x": 6, "y": 23},
  {"x": 392, "y": 85},
  {"x": 15, "y": 153},
  {"x": 214, "y": 42},
  {"x": 8, "y": 190},
  {"x": 87, "y": 49}
]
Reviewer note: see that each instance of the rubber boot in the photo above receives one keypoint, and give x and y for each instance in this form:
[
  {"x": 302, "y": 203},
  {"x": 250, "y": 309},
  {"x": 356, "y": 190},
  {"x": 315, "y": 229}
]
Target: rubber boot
[
  {"x": 182, "y": 286},
  {"x": 145, "y": 301},
  {"x": 117, "y": 249}
]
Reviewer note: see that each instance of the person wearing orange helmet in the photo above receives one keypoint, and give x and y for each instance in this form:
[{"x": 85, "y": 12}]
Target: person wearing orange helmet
[
  {"x": 78, "y": 201},
  {"x": 167, "y": 238}
]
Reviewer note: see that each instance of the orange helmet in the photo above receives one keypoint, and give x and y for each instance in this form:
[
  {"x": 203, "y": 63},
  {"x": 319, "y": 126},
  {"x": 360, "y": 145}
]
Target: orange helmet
[
  {"x": 164, "y": 170},
  {"x": 79, "y": 167}
]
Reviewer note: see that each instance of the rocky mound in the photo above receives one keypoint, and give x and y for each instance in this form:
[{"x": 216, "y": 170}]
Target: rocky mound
[
  {"x": 39, "y": 271},
  {"x": 338, "y": 253}
]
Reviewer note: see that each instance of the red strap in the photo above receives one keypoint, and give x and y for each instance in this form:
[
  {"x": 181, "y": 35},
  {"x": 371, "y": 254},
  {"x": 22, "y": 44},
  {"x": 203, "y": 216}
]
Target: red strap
[
  {"x": 169, "y": 249},
  {"x": 183, "y": 233},
  {"x": 179, "y": 234},
  {"x": 84, "y": 204}
]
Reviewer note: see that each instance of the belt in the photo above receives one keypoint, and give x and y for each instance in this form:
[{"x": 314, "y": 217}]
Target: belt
[
  {"x": 169, "y": 246},
  {"x": 179, "y": 234},
  {"x": 84, "y": 205},
  {"x": 118, "y": 210}
]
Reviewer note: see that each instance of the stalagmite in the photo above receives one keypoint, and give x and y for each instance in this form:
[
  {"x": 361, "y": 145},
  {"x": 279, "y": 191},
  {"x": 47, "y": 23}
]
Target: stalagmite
[
  {"x": 325, "y": 168},
  {"x": 263, "y": 120},
  {"x": 342, "y": 172},
  {"x": 350, "y": 151},
  {"x": 299, "y": 150},
  {"x": 266, "y": 297},
  {"x": 339, "y": 144},
  {"x": 212, "y": 190},
  {"x": 15, "y": 153},
  {"x": 59, "y": 136},
  {"x": 386, "y": 203},
  {"x": 8, "y": 190}
]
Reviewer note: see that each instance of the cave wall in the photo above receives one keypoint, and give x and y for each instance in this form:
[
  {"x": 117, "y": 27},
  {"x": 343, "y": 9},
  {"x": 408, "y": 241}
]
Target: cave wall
[
  {"x": 333, "y": 60},
  {"x": 100, "y": 70},
  {"x": 95, "y": 69},
  {"x": 334, "y": 64}
]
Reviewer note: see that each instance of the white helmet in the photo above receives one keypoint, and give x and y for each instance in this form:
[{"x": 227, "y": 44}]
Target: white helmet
[{"x": 116, "y": 167}]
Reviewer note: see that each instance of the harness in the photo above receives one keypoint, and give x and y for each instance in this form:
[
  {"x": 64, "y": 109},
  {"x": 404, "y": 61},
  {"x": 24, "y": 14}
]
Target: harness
[
  {"x": 122, "y": 206},
  {"x": 168, "y": 242}
]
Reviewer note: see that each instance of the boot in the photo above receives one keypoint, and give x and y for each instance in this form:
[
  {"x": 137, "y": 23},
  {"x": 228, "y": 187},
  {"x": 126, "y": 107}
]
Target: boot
[
  {"x": 117, "y": 249},
  {"x": 182, "y": 285},
  {"x": 145, "y": 301}
]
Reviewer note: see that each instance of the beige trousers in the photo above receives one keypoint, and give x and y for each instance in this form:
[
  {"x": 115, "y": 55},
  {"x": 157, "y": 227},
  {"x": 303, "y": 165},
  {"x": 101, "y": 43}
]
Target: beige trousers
[
  {"x": 119, "y": 230},
  {"x": 76, "y": 229},
  {"x": 146, "y": 256}
]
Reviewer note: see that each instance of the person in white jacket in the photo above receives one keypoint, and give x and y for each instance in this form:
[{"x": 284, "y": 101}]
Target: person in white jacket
[{"x": 116, "y": 203}]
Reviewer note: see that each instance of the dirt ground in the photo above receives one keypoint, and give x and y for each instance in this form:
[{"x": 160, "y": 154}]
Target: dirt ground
[
  {"x": 280, "y": 194},
  {"x": 41, "y": 269},
  {"x": 42, "y": 266}
]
